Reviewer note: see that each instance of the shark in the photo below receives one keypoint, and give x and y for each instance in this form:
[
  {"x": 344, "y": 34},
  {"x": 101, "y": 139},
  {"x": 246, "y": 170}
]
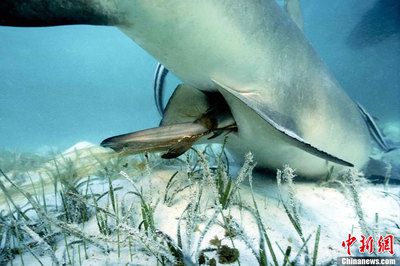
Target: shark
[{"x": 247, "y": 72}]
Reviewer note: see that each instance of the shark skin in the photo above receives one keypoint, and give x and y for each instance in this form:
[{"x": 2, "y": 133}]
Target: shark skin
[{"x": 287, "y": 106}]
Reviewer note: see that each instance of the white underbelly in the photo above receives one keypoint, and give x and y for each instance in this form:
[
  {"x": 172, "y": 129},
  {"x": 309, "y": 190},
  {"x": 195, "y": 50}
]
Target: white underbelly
[
  {"x": 269, "y": 148},
  {"x": 201, "y": 40},
  {"x": 197, "y": 40}
]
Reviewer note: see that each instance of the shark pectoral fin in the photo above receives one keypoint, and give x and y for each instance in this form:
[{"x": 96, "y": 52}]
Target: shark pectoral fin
[
  {"x": 173, "y": 139},
  {"x": 289, "y": 135}
]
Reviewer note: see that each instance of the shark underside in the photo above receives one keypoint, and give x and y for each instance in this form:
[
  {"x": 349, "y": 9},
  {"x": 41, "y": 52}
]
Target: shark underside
[{"x": 247, "y": 71}]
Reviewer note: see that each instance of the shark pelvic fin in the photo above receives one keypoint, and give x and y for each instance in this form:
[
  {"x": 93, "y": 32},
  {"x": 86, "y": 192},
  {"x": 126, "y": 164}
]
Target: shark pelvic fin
[
  {"x": 186, "y": 104},
  {"x": 293, "y": 8},
  {"x": 189, "y": 116},
  {"x": 287, "y": 134}
]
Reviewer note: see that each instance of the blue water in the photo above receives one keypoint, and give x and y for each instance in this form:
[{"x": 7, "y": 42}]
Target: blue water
[
  {"x": 61, "y": 85},
  {"x": 66, "y": 84}
]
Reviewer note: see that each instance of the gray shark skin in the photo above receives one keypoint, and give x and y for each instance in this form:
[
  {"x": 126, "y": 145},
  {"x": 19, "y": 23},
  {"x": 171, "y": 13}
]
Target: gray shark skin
[{"x": 286, "y": 105}]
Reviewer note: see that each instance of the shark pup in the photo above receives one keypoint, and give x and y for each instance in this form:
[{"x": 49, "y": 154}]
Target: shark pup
[{"x": 247, "y": 71}]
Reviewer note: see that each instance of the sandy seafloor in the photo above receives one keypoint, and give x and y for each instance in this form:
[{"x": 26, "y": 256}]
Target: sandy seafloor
[{"x": 330, "y": 205}]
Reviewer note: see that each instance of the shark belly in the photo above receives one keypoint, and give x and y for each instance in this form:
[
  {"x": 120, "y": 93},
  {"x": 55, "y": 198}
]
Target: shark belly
[
  {"x": 272, "y": 152},
  {"x": 284, "y": 105},
  {"x": 265, "y": 54}
]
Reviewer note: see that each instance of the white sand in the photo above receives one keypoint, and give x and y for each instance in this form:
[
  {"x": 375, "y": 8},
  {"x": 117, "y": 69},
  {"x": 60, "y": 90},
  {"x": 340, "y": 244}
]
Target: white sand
[{"x": 330, "y": 208}]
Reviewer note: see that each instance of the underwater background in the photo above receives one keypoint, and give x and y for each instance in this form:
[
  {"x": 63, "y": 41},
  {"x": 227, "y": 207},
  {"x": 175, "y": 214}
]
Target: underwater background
[
  {"x": 61, "y": 85},
  {"x": 76, "y": 203}
]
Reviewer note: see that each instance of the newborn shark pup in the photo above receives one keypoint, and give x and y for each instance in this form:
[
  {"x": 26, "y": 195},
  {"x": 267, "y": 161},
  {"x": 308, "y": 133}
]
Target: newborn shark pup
[{"x": 247, "y": 71}]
